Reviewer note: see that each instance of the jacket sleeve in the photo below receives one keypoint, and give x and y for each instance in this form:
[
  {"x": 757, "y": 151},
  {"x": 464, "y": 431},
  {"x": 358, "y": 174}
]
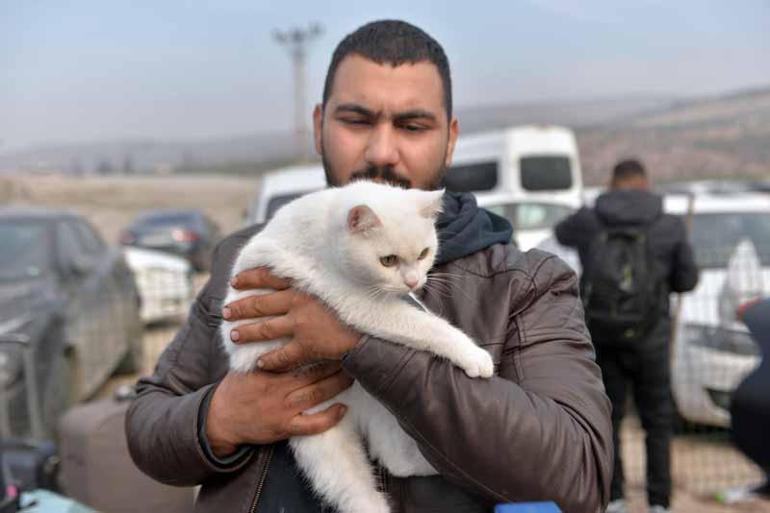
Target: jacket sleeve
[
  {"x": 684, "y": 272},
  {"x": 540, "y": 430},
  {"x": 163, "y": 424},
  {"x": 574, "y": 230}
]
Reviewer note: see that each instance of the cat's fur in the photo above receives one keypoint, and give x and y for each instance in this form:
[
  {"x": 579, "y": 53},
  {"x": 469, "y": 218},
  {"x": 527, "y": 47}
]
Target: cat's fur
[{"x": 330, "y": 244}]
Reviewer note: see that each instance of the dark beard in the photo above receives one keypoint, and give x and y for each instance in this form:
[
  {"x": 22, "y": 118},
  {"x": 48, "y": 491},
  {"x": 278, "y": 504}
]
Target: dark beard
[{"x": 384, "y": 174}]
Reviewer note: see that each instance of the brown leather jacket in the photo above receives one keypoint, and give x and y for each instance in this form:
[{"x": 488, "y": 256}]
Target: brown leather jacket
[{"x": 539, "y": 430}]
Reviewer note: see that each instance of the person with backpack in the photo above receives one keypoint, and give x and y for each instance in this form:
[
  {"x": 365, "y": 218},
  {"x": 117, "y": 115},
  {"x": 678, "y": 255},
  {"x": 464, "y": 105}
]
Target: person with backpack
[{"x": 633, "y": 256}]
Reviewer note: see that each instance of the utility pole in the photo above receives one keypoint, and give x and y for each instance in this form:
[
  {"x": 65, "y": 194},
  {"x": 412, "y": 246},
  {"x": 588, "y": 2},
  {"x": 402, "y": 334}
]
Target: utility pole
[{"x": 296, "y": 40}]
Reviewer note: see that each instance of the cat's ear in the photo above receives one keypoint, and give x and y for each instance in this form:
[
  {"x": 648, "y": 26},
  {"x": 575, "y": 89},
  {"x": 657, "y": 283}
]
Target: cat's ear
[
  {"x": 431, "y": 207},
  {"x": 362, "y": 219}
]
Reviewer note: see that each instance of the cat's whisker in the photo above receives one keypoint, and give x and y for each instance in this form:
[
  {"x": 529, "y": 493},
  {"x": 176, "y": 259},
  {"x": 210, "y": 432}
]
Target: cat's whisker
[{"x": 437, "y": 291}]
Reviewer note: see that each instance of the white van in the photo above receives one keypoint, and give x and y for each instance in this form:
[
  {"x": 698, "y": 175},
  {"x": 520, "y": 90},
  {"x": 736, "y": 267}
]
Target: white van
[
  {"x": 532, "y": 162},
  {"x": 281, "y": 186}
]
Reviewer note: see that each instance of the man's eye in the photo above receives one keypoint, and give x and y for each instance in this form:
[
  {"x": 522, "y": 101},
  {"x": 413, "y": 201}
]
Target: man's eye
[
  {"x": 357, "y": 122},
  {"x": 413, "y": 128},
  {"x": 389, "y": 260}
]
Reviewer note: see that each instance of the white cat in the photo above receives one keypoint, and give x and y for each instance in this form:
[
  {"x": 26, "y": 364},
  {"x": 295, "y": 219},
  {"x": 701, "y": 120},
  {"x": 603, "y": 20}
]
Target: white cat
[{"x": 360, "y": 249}]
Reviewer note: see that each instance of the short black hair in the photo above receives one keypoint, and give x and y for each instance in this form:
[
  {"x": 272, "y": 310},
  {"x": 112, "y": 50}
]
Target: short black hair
[
  {"x": 627, "y": 169},
  {"x": 392, "y": 42}
]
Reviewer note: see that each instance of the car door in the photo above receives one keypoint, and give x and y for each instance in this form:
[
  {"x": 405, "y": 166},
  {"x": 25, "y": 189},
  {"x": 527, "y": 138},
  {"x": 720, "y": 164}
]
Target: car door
[
  {"x": 89, "y": 330},
  {"x": 118, "y": 293}
]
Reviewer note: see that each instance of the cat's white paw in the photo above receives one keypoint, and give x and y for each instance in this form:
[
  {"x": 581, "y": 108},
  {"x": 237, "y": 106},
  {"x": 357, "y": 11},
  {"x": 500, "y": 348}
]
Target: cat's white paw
[{"x": 478, "y": 364}]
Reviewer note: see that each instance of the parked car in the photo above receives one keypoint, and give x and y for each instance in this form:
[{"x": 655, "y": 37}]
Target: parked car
[
  {"x": 165, "y": 283},
  {"x": 187, "y": 233},
  {"x": 69, "y": 314},
  {"x": 532, "y": 219},
  {"x": 712, "y": 351},
  {"x": 281, "y": 186}
]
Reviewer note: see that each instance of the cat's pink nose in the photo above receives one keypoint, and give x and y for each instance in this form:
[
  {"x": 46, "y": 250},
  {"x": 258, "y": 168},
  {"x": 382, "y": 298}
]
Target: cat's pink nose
[{"x": 411, "y": 282}]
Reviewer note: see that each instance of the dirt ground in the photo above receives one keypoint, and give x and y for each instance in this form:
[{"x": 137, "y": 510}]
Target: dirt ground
[
  {"x": 703, "y": 464},
  {"x": 111, "y": 203}
]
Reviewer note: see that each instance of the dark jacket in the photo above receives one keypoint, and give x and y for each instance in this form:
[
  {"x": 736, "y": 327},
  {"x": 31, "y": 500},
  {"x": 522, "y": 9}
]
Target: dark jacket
[
  {"x": 667, "y": 234},
  {"x": 539, "y": 430}
]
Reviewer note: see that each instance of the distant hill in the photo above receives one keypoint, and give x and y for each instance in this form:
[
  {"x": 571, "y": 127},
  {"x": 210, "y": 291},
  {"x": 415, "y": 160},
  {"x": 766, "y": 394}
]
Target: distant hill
[{"x": 720, "y": 136}]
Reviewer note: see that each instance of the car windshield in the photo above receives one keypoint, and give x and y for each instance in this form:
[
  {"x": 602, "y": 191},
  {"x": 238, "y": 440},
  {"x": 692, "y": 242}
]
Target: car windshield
[
  {"x": 715, "y": 236},
  {"x": 531, "y": 216},
  {"x": 167, "y": 219},
  {"x": 25, "y": 250}
]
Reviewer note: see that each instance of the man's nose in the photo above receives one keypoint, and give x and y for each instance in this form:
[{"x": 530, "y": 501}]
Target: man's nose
[{"x": 382, "y": 149}]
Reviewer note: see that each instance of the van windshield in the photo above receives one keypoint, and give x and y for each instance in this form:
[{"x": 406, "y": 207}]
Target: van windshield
[{"x": 545, "y": 173}]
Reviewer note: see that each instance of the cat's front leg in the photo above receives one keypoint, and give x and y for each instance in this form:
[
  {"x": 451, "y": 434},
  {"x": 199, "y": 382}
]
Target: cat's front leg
[{"x": 428, "y": 332}]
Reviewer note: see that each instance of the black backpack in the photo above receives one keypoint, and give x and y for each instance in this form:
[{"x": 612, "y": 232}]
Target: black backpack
[{"x": 620, "y": 286}]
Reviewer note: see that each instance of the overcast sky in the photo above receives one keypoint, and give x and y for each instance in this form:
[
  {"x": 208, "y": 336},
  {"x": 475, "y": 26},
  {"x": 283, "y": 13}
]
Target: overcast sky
[{"x": 84, "y": 70}]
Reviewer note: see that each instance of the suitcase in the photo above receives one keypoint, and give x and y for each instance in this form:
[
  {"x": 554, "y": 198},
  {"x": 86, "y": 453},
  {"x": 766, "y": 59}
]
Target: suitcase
[{"x": 97, "y": 470}]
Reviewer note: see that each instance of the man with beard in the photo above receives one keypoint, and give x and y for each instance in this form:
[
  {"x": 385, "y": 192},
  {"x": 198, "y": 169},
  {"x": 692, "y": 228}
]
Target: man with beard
[{"x": 538, "y": 430}]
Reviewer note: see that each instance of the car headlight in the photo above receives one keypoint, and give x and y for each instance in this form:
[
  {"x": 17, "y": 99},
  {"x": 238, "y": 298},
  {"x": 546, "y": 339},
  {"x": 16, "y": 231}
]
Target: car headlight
[
  {"x": 721, "y": 339},
  {"x": 10, "y": 367}
]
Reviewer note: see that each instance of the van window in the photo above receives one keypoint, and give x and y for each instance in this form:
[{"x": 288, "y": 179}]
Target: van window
[
  {"x": 545, "y": 173},
  {"x": 480, "y": 176}
]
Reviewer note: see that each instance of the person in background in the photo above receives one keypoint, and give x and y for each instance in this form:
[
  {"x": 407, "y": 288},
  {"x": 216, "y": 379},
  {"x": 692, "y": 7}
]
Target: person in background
[
  {"x": 633, "y": 255},
  {"x": 750, "y": 404}
]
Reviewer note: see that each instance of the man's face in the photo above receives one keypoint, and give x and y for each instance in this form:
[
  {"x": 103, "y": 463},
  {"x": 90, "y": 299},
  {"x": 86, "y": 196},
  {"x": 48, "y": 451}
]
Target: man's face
[{"x": 386, "y": 123}]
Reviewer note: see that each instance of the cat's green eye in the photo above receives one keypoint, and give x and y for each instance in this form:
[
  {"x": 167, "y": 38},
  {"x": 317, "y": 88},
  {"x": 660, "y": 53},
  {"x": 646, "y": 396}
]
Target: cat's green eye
[
  {"x": 389, "y": 261},
  {"x": 423, "y": 254}
]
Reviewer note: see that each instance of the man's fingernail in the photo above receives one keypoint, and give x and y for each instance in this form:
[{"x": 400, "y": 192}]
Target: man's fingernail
[
  {"x": 260, "y": 364},
  {"x": 226, "y": 313},
  {"x": 343, "y": 411},
  {"x": 234, "y": 336},
  {"x": 234, "y": 281}
]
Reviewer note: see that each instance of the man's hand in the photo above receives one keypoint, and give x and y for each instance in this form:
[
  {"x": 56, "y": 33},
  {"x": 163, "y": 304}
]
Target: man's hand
[
  {"x": 315, "y": 332},
  {"x": 264, "y": 407}
]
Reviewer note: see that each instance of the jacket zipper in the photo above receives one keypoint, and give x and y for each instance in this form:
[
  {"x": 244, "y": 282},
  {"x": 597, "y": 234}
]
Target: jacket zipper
[{"x": 261, "y": 482}]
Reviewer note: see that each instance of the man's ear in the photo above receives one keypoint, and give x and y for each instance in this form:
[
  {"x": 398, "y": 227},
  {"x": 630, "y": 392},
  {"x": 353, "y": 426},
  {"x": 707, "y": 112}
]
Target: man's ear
[
  {"x": 431, "y": 207},
  {"x": 361, "y": 219},
  {"x": 318, "y": 122},
  {"x": 454, "y": 131}
]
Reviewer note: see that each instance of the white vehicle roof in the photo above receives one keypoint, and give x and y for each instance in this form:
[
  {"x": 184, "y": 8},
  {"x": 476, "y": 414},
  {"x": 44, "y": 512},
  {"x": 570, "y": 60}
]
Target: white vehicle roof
[
  {"x": 293, "y": 179},
  {"x": 506, "y": 198},
  {"x": 288, "y": 181},
  {"x": 716, "y": 203},
  {"x": 142, "y": 258},
  {"x": 525, "y": 139}
]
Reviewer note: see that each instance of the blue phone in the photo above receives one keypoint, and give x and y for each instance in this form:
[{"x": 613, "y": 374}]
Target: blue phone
[{"x": 528, "y": 507}]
